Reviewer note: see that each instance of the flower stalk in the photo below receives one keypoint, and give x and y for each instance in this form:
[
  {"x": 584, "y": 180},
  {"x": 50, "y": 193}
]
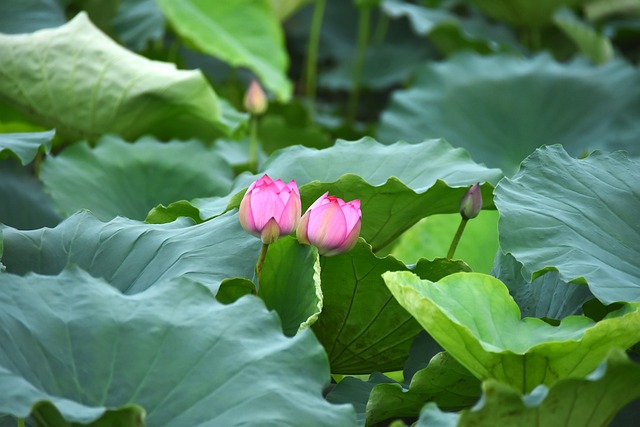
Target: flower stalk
[
  {"x": 261, "y": 258},
  {"x": 312, "y": 49}
]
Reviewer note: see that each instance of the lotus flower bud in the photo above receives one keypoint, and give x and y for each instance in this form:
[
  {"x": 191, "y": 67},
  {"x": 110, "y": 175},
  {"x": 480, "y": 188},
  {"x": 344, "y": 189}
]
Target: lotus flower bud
[
  {"x": 471, "y": 202},
  {"x": 255, "y": 100},
  {"x": 331, "y": 225},
  {"x": 270, "y": 209}
]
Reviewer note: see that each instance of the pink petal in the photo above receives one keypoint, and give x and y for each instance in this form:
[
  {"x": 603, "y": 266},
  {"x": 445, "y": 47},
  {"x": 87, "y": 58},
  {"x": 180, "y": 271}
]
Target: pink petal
[
  {"x": 327, "y": 226},
  {"x": 301, "y": 230},
  {"x": 264, "y": 206},
  {"x": 290, "y": 214},
  {"x": 246, "y": 217},
  {"x": 321, "y": 201},
  {"x": 352, "y": 213}
]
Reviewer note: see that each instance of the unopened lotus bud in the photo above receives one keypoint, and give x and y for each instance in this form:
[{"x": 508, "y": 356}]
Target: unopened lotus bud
[
  {"x": 471, "y": 202},
  {"x": 255, "y": 100}
]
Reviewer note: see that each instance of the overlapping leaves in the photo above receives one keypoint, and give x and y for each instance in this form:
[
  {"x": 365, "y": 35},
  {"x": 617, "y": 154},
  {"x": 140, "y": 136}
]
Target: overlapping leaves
[{"x": 492, "y": 341}]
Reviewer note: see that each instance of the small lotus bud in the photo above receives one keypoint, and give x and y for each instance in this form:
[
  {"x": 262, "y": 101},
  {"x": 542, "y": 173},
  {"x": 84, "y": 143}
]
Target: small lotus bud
[
  {"x": 255, "y": 100},
  {"x": 471, "y": 202}
]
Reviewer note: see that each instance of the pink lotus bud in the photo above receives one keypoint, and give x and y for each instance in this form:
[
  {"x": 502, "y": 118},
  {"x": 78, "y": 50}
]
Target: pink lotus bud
[
  {"x": 331, "y": 225},
  {"x": 471, "y": 202},
  {"x": 270, "y": 209},
  {"x": 255, "y": 100}
]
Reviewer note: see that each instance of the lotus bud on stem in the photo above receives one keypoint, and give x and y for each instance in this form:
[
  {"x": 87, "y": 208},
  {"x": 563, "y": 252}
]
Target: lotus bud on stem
[
  {"x": 470, "y": 206},
  {"x": 270, "y": 209},
  {"x": 255, "y": 103}
]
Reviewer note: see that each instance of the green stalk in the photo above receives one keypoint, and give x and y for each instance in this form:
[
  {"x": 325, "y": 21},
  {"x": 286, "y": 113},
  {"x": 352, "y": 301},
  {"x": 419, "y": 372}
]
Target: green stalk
[
  {"x": 261, "y": 258},
  {"x": 253, "y": 143},
  {"x": 364, "y": 22},
  {"x": 312, "y": 49},
  {"x": 381, "y": 28},
  {"x": 456, "y": 238},
  {"x": 20, "y": 422}
]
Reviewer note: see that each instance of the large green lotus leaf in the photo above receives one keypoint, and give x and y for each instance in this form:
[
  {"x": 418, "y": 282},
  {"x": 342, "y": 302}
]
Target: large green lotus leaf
[
  {"x": 117, "y": 178},
  {"x": 174, "y": 351},
  {"x": 397, "y": 184},
  {"x": 26, "y": 16},
  {"x": 244, "y": 33},
  {"x": 25, "y": 146},
  {"x": 588, "y": 402},
  {"x": 25, "y": 205},
  {"x": 138, "y": 22},
  {"x": 78, "y": 80},
  {"x": 525, "y": 103},
  {"x": 475, "y": 319},
  {"x": 362, "y": 326},
  {"x": 546, "y": 296},
  {"x": 290, "y": 284},
  {"x": 432, "y": 236},
  {"x": 131, "y": 255},
  {"x": 523, "y": 13},
  {"x": 577, "y": 216}
]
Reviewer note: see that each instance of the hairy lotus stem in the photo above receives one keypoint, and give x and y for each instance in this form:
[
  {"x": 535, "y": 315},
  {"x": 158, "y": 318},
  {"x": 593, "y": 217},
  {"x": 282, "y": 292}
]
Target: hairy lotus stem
[
  {"x": 261, "y": 258},
  {"x": 312, "y": 49},
  {"x": 456, "y": 238}
]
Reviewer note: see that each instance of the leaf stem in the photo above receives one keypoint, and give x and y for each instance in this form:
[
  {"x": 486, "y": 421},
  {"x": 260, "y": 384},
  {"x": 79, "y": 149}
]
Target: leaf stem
[
  {"x": 261, "y": 258},
  {"x": 364, "y": 22},
  {"x": 456, "y": 238},
  {"x": 312, "y": 50},
  {"x": 253, "y": 143},
  {"x": 20, "y": 422}
]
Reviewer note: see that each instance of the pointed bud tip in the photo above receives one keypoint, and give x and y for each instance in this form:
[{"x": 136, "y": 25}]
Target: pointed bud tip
[{"x": 471, "y": 202}]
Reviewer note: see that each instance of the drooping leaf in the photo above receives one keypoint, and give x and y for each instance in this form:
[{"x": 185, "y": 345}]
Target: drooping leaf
[
  {"x": 591, "y": 401},
  {"x": 546, "y": 296},
  {"x": 525, "y": 103},
  {"x": 576, "y": 216},
  {"x": 475, "y": 319},
  {"x": 361, "y": 325},
  {"x": 290, "y": 284},
  {"x": 131, "y": 255},
  {"x": 25, "y": 146},
  {"x": 78, "y": 80},
  {"x": 116, "y": 178},
  {"x": 24, "y": 204},
  {"x": 397, "y": 184},
  {"x": 199, "y": 362},
  {"x": 432, "y": 236},
  {"x": 590, "y": 43},
  {"x": 244, "y": 33}
]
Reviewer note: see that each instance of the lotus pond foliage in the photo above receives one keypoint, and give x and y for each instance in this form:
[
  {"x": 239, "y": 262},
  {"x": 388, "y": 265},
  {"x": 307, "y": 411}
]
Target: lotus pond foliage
[{"x": 319, "y": 213}]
